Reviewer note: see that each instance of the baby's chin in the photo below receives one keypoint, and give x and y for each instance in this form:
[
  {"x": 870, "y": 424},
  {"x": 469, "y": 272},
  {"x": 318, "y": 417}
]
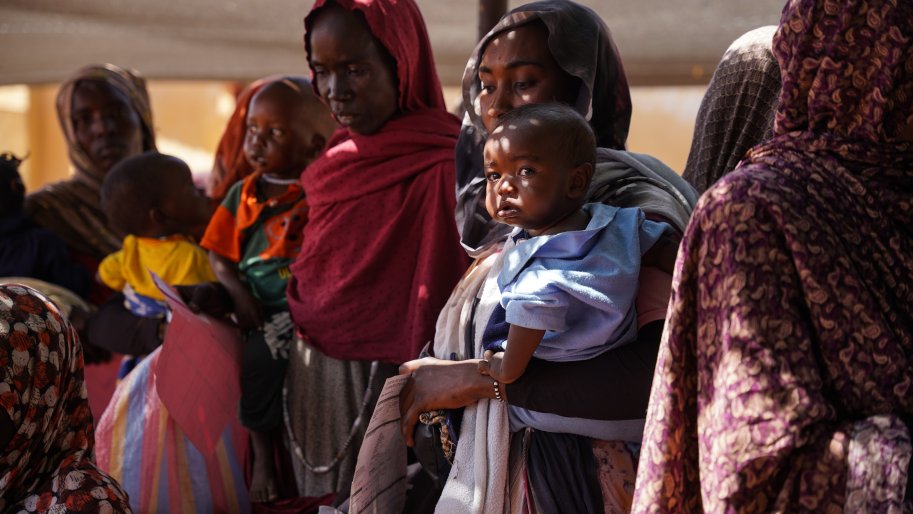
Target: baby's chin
[{"x": 283, "y": 174}]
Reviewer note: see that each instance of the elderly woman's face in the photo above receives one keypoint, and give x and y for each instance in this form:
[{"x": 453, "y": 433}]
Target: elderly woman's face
[
  {"x": 354, "y": 76},
  {"x": 107, "y": 127},
  {"x": 516, "y": 69}
]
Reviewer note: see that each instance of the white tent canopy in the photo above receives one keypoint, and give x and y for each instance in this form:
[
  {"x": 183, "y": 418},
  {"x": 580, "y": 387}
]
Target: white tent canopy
[{"x": 661, "y": 41}]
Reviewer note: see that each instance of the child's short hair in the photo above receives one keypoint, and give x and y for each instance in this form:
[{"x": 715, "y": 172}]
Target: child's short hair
[
  {"x": 568, "y": 131},
  {"x": 133, "y": 187},
  {"x": 12, "y": 191},
  {"x": 320, "y": 121}
]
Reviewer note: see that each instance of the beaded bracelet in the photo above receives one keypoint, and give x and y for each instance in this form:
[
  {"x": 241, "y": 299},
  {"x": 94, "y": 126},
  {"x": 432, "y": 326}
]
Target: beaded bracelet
[{"x": 498, "y": 392}]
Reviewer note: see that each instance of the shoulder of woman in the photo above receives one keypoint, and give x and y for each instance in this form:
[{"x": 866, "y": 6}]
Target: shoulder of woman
[
  {"x": 751, "y": 192},
  {"x": 40, "y": 207},
  {"x": 50, "y": 194}
]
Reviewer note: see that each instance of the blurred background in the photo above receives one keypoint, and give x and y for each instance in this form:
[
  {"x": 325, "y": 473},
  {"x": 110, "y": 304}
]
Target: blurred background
[{"x": 198, "y": 54}]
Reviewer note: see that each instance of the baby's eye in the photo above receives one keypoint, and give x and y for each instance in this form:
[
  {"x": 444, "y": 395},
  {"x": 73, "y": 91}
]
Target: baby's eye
[
  {"x": 251, "y": 129},
  {"x": 493, "y": 176},
  {"x": 275, "y": 132},
  {"x": 527, "y": 172}
]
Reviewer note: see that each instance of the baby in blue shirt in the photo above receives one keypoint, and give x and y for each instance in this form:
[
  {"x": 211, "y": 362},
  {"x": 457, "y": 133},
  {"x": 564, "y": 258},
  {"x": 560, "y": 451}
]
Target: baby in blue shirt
[{"x": 570, "y": 271}]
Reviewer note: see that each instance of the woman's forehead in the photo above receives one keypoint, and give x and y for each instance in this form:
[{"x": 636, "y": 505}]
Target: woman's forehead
[
  {"x": 526, "y": 43},
  {"x": 88, "y": 92},
  {"x": 336, "y": 27}
]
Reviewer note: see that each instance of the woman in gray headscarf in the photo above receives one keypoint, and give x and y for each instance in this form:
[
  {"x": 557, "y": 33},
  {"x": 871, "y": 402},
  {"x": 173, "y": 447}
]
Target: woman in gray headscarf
[
  {"x": 590, "y": 71},
  {"x": 553, "y": 51},
  {"x": 737, "y": 111}
]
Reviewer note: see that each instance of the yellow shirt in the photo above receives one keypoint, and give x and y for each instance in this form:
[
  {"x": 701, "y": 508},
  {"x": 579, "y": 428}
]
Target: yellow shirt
[{"x": 176, "y": 259}]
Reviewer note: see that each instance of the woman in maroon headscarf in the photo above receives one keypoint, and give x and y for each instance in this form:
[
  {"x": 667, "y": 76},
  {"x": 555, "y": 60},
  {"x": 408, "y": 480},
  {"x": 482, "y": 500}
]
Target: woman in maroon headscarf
[
  {"x": 381, "y": 251},
  {"x": 785, "y": 382}
]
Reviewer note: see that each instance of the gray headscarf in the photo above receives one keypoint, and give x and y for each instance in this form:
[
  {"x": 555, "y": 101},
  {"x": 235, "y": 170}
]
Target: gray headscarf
[
  {"x": 582, "y": 45},
  {"x": 737, "y": 111}
]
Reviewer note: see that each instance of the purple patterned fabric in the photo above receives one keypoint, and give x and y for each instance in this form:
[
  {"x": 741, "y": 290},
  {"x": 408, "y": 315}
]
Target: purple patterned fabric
[{"x": 789, "y": 347}]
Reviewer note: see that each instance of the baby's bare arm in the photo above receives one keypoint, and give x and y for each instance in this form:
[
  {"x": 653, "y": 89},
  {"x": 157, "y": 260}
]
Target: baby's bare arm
[
  {"x": 509, "y": 366},
  {"x": 247, "y": 308}
]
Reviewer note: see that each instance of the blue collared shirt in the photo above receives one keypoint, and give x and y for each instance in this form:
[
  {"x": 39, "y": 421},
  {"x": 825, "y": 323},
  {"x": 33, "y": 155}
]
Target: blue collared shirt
[{"x": 579, "y": 286}]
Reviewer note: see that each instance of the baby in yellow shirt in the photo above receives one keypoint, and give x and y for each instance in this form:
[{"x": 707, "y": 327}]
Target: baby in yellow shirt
[{"x": 152, "y": 199}]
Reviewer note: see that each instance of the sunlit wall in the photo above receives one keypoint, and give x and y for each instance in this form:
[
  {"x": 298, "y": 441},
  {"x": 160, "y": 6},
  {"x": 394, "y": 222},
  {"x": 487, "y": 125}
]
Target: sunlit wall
[{"x": 189, "y": 118}]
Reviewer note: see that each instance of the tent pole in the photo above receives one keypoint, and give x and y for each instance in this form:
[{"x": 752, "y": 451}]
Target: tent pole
[{"x": 490, "y": 11}]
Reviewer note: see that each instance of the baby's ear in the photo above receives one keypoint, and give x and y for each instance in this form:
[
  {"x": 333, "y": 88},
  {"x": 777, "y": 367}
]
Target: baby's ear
[
  {"x": 156, "y": 217},
  {"x": 579, "y": 183}
]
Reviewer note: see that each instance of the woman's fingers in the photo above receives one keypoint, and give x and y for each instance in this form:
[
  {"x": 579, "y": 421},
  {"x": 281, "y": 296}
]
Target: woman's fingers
[
  {"x": 413, "y": 365},
  {"x": 438, "y": 384},
  {"x": 408, "y": 414}
]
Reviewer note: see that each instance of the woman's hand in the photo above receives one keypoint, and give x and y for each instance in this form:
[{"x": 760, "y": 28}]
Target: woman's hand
[{"x": 439, "y": 384}]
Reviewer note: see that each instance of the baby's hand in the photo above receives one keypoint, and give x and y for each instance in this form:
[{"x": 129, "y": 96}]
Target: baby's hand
[
  {"x": 248, "y": 312},
  {"x": 490, "y": 365},
  {"x": 208, "y": 297}
]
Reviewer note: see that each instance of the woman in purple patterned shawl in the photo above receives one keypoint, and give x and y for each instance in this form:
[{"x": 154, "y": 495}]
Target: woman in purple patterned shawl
[{"x": 785, "y": 380}]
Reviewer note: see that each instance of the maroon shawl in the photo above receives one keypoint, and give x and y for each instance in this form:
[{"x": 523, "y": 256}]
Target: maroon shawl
[
  {"x": 381, "y": 251},
  {"x": 785, "y": 382}
]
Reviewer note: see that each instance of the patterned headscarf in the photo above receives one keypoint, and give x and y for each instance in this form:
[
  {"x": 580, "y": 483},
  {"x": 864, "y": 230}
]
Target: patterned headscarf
[
  {"x": 71, "y": 208},
  {"x": 785, "y": 380},
  {"x": 847, "y": 68},
  {"x": 738, "y": 109},
  {"x": 48, "y": 463}
]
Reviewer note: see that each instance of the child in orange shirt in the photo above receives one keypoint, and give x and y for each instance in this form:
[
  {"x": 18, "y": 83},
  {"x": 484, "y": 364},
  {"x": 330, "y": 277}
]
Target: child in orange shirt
[{"x": 253, "y": 237}]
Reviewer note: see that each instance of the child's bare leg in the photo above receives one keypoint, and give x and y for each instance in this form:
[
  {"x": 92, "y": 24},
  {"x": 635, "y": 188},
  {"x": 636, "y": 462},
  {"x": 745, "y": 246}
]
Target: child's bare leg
[
  {"x": 263, "y": 487},
  {"x": 260, "y": 411}
]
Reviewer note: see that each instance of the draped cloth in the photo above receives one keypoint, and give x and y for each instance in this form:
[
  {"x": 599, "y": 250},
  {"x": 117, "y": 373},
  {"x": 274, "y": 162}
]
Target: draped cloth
[
  {"x": 49, "y": 461},
  {"x": 785, "y": 381},
  {"x": 738, "y": 109},
  {"x": 72, "y": 208},
  {"x": 381, "y": 252},
  {"x": 583, "y": 47},
  {"x": 143, "y": 447}
]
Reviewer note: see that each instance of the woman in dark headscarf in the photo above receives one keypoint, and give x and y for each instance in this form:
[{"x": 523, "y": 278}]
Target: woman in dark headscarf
[
  {"x": 105, "y": 116},
  {"x": 539, "y": 53},
  {"x": 46, "y": 428},
  {"x": 737, "y": 111},
  {"x": 592, "y": 80},
  {"x": 785, "y": 382}
]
